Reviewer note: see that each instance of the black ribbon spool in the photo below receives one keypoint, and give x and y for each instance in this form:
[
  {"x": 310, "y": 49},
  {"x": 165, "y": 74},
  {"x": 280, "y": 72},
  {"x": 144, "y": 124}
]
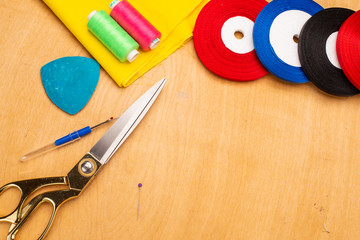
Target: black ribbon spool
[{"x": 312, "y": 52}]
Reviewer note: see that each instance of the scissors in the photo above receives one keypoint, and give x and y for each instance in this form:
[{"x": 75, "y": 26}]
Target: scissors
[{"x": 83, "y": 172}]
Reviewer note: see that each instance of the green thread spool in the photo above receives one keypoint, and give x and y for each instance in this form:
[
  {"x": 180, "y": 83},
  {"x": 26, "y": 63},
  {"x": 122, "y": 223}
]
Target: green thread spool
[{"x": 114, "y": 37}]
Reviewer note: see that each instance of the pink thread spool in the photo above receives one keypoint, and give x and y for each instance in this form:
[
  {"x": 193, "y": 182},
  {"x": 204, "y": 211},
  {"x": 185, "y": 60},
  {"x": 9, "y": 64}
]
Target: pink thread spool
[{"x": 135, "y": 24}]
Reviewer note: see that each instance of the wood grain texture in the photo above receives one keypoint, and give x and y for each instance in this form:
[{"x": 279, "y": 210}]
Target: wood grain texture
[{"x": 217, "y": 159}]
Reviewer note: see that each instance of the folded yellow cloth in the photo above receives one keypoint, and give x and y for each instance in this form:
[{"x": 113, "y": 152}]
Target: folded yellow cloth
[{"x": 174, "y": 19}]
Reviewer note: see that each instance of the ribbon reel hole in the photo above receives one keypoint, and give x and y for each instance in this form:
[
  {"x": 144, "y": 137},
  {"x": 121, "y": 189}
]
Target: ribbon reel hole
[
  {"x": 296, "y": 38},
  {"x": 238, "y": 34}
]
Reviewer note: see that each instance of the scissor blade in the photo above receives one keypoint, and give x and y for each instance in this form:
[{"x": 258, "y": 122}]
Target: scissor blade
[{"x": 123, "y": 127}]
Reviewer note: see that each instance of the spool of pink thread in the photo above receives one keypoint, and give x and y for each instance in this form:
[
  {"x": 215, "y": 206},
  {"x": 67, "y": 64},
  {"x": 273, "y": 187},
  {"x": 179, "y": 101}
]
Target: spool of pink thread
[{"x": 135, "y": 24}]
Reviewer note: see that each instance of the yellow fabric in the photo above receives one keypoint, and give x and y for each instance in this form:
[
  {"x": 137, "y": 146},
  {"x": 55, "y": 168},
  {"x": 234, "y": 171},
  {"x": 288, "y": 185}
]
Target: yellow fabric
[{"x": 174, "y": 19}]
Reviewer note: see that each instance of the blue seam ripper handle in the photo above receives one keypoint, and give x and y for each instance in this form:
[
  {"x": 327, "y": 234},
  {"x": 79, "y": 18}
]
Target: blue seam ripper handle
[{"x": 73, "y": 136}]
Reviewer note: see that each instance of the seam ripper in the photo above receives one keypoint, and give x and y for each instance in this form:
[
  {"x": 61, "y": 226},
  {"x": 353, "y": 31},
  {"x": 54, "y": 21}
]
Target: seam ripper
[{"x": 70, "y": 138}]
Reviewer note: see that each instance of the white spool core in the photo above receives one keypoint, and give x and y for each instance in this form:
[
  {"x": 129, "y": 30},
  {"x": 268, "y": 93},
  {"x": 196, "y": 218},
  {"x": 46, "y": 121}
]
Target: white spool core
[
  {"x": 91, "y": 15},
  {"x": 331, "y": 50},
  {"x": 284, "y": 30},
  {"x": 113, "y": 4},
  {"x": 154, "y": 43},
  {"x": 235, "y": 25},
  {"x": 132, "y": 55}
]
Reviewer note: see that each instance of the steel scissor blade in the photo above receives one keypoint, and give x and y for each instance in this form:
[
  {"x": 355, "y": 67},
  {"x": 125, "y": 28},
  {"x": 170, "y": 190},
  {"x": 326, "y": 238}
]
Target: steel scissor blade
[{"x": 123, "y": 127}]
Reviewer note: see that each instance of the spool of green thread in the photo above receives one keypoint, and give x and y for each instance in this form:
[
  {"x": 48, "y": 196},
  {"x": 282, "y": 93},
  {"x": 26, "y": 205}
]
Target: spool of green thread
[{"x": 114, "y": 37}]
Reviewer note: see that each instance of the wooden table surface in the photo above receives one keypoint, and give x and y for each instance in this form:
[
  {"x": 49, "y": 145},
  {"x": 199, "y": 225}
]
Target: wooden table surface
[{"x": 217, "y": 159}]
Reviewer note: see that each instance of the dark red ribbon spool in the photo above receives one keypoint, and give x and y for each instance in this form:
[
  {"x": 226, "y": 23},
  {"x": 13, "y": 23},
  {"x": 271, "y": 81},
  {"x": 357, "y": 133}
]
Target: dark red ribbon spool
[
  {"x": 348, "y": 48},
  {"x": 212, "y": 51}
]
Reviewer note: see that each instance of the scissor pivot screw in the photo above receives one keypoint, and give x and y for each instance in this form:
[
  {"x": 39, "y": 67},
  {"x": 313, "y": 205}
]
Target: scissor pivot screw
[{"x": 87, "y": 167}]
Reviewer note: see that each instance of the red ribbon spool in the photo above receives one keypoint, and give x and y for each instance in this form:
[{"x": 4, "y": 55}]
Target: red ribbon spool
[
  {"x": 209, "y": 44},
  {"x": 348, "y": 48}
]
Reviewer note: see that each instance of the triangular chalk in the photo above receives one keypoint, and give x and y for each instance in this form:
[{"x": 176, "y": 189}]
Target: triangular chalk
[{"x": 70, "y": 82}]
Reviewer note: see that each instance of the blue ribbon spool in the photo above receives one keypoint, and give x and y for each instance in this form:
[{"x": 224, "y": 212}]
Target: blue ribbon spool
[{"x": 275, "y": 34}]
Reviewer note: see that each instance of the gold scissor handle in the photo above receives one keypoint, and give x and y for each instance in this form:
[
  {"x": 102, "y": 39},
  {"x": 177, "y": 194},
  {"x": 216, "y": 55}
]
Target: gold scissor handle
[
  {"x": 27, "y": 187},
  {"x": 55, "y": 198}
]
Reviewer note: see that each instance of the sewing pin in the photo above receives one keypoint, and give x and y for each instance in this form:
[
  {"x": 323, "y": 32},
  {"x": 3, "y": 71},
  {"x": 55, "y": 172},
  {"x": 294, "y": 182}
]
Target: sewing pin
[{"x": 138, "y": 208}]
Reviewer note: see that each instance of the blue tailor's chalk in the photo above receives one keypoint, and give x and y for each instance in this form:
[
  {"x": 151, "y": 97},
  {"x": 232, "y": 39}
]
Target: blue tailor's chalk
[{"x": 70, "y": 82}]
